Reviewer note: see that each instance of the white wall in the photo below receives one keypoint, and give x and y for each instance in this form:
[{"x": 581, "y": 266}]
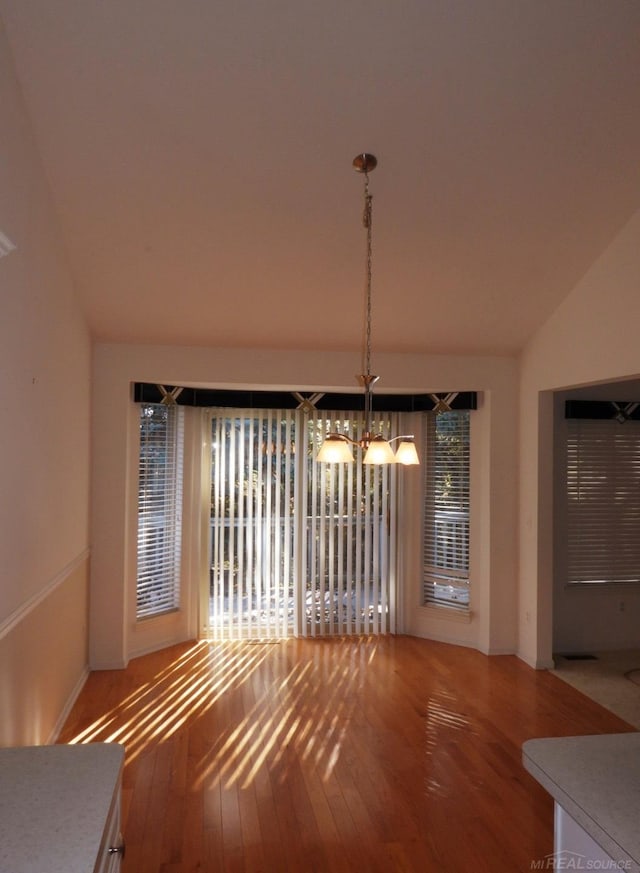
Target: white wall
[
  {"x": 44, "y": 445},
  {"x": 591, "y": 338},
  {"x": 115, "y": 636}
]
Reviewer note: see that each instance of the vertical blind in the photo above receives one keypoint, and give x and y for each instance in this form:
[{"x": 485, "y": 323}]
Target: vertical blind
[
  {"x": 603, "y": 501},
  {"x": 349, "y": 530},
  {"x": 296, "y": 546},
  {"x": 252, "y": 525},
  {"x": 159, "y": 509},
  {"x": 445, "y": 534}
]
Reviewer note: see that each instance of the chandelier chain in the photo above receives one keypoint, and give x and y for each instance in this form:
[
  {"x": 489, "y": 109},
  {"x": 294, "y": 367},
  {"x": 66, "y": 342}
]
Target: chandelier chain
[{"x": 367, "y": 220}]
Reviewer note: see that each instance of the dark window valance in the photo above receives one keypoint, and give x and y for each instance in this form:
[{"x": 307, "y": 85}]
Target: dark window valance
[
  {"x": 146, "y": 392},
  {"x": 601, "y": 410}
]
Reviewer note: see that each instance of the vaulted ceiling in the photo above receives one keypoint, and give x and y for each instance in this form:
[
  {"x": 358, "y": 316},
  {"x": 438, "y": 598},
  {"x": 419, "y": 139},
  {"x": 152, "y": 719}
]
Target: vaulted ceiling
[{"x": 199, "y": 155}]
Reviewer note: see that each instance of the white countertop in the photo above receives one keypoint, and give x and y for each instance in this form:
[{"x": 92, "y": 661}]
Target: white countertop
[
  {"x": 596, "y": 779},
  {"x": 54, "y": 805}
]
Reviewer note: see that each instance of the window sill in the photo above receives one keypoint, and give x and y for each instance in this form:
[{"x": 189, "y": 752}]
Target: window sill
[
  {"x": 601, "y": 587},
  {"x": 168, "y": 614},
  {"x": 460, "y": 616}
]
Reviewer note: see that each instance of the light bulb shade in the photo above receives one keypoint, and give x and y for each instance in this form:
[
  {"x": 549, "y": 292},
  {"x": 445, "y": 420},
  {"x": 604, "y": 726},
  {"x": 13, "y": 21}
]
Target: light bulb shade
[
  {"x": 406, "y": 453},
  {"x": 335, "y": 450},
  {"x": 379, "y": 452}
]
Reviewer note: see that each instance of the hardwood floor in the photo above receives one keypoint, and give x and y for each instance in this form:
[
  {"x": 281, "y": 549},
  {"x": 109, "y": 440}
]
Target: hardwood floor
[{"x": 369, "y": 754}]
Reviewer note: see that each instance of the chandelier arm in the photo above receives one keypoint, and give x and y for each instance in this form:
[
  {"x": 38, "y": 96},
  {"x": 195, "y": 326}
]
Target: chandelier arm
[
  {"x": 364, "y": 441},
  {"x": 404, "y": 436},
  {"x": 334, "y": 435}
]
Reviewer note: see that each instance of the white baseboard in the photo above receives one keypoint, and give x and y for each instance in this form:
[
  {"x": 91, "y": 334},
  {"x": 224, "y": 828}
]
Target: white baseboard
[
  {"x": 64, "y": 715},
  {"x": 537, "y": 664},
  {"x": 160, "y": 645}
]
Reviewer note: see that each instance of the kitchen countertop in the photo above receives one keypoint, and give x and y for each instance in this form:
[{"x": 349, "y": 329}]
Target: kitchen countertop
[
  {"x": 54, "y": 805},
  {"x": 596, "y": 779}
]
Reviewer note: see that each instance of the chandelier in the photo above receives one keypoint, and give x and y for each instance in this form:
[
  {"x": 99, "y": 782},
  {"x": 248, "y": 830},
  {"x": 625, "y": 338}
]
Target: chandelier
[{"x": 337, "y": 447}]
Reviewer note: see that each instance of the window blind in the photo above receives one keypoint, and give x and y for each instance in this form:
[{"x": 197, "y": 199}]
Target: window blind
[
  {"x": 351, "y": 510},
  {"x": 252, "y": 524},
  {"x": 159, "y": 509},
  {"x": 298, "y": 547},
  {"x": 446, "y": 511},
  {"x": 603, "y": 501}
]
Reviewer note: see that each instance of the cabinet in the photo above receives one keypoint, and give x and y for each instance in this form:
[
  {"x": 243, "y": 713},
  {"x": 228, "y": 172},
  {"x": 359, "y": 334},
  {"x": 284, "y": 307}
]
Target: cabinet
[
  {"x": 111, "y": 849},
  {"x": 60, "y": 808},
  {"x": 595, "y": 783},
  {"x": 572, "y": 841}
]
